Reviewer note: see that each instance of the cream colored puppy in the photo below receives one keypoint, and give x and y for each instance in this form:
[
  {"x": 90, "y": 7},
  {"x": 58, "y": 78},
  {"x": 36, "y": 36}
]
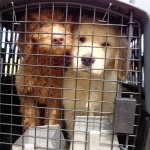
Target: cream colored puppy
[{"x": 90, "y": 83}]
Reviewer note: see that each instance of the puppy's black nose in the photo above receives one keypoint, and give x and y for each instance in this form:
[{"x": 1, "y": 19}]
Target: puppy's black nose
[
  {"x": 87, "y": 60},
  {"x": 57, "y": 39}
]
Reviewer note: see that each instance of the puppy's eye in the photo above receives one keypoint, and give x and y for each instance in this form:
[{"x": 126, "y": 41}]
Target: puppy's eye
[
  {"x": 82, "y": 39},
  {"x": 105, "y": 44}
]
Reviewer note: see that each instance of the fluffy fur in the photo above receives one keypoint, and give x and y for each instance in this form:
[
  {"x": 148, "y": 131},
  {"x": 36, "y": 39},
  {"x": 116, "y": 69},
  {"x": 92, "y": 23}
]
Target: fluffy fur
[
  {"x": 38, "y": 79},
  {"x": 90, "y": 84}
]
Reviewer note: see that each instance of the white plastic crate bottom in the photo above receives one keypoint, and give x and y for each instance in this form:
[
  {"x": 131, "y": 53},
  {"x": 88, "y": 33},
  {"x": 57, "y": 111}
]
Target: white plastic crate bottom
[
  {"x": 40, "y": 138},
  {"x": 97, "y": 131}
]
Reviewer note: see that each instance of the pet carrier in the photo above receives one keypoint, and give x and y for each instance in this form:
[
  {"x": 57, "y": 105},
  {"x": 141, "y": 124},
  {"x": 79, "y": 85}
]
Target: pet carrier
[{"x": 72, "y": 75}]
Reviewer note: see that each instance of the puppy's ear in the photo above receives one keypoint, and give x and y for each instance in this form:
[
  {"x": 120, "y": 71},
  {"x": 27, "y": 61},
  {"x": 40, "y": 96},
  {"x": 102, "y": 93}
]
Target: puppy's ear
[
  {"x": 120, "y": 61},
  {"x": 25, "y": 41}
]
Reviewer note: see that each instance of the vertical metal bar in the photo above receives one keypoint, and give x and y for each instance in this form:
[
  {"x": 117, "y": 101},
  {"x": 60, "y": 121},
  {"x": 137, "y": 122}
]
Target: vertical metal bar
[
  {"x": 119, "y": 85},
  {"x": 24, "y": 53},
  {"x": 64, "y": 60},
  {"x": 89, "y": 88},
  {"x": 130, "y": 34},
  {"x": 36, "y": 103},
  {"x": 76, "y": 78},
  {"x": 139, "y": 46},
  {"x": 139, "y": 84},
  {"x": 11, "y": 84},
  {"x": 0, "y": 69}
]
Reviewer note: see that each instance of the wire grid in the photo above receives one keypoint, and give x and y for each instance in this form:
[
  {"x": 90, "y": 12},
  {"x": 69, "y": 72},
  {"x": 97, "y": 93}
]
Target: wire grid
[{"x": 12, "y": 127}]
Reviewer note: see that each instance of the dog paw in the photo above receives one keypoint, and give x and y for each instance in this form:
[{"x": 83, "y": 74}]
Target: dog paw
[
  {"x": 52, "y": 122},
  {"x": 28, "y": 122}
]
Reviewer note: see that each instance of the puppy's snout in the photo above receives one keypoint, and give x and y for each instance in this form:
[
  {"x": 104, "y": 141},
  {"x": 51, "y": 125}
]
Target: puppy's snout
[
  {"x": 87, "y": 60},
  {"x": 57, "y": 39}
]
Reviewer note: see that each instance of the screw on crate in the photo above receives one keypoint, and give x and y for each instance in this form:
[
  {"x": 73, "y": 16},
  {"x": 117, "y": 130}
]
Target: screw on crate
[
  {"x": 103, "y": 20},
  {"x": 14, "y": 14}
]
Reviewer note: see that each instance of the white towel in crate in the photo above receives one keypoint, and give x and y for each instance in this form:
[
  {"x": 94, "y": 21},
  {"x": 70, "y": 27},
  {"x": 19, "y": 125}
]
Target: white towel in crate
[
  {"x": 40, "y": 138},
  {"x": 93, "y": 133}
]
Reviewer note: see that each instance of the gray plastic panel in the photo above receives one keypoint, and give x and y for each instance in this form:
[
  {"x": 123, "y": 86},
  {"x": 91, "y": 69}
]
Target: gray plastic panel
[{"x": 124, "y": 115}]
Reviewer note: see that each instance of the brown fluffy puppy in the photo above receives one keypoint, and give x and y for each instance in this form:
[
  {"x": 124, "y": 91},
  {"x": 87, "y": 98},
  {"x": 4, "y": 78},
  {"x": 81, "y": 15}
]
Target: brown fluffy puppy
[{"x": 38, "y": 79}]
